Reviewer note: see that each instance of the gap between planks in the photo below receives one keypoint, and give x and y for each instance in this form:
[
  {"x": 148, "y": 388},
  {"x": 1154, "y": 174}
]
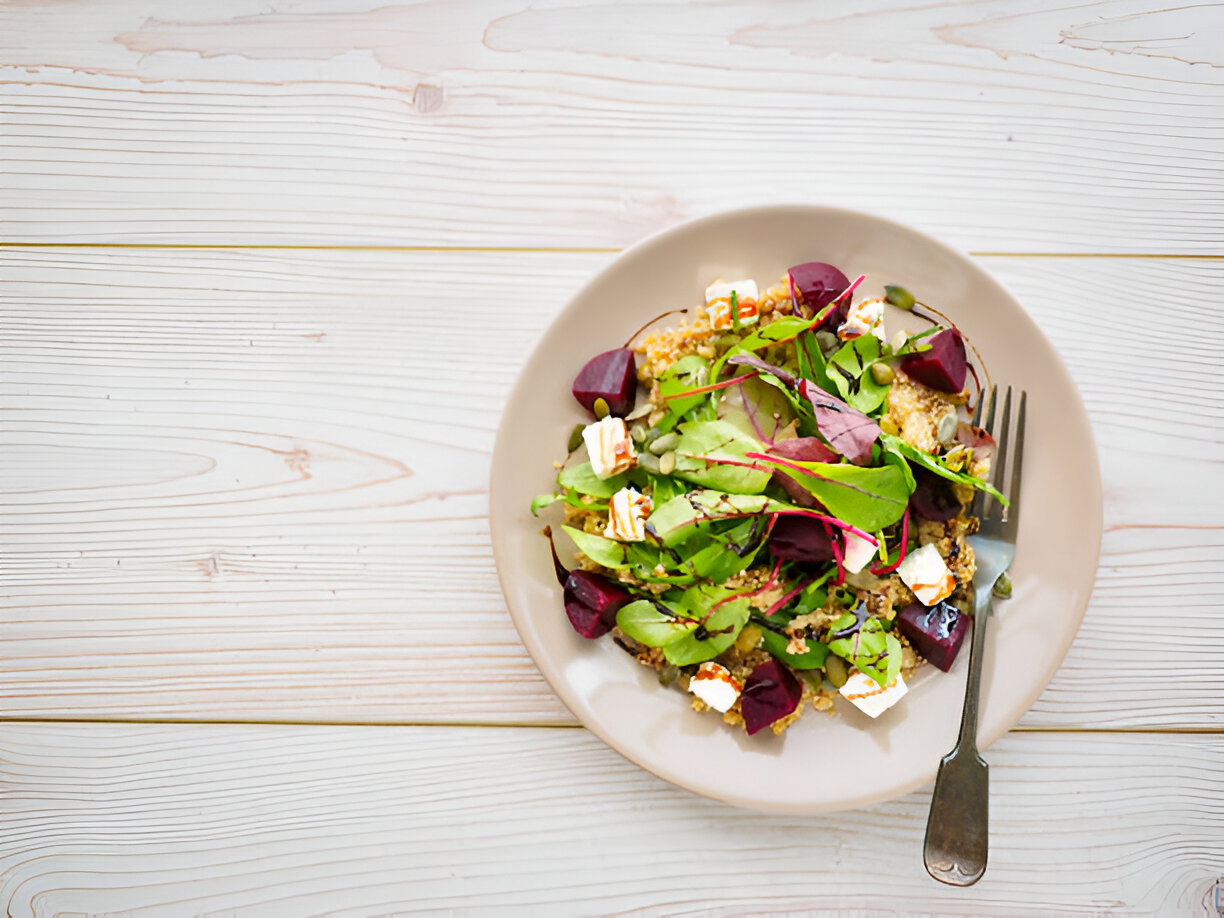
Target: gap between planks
[
  {"x": 553, "y": 250},
  {"x": 516, "y": 725}
]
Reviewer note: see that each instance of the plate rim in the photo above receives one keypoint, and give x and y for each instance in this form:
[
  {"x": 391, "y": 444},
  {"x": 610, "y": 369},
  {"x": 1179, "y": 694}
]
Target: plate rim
[{"x": 561, "y": 687}]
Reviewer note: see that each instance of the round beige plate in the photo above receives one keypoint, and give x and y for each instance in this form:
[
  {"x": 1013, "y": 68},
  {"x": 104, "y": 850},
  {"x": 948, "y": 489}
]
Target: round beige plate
[{"x": 821, "y": 763}]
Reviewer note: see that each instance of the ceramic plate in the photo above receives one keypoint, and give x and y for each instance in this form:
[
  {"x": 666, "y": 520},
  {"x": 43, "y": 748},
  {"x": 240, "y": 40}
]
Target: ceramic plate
[{"x": 821, "y": 763}]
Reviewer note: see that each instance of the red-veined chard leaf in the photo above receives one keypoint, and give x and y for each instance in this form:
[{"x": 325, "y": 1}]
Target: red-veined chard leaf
[
  {"x": 703, "y": 443},
  {"x": 756, "y": 408},
  {"x": 678, "y": 519},
  {"x": 689, "y": 372},
  {"x": 847, "y": 429},
  {"x": 869, "y": 499}
]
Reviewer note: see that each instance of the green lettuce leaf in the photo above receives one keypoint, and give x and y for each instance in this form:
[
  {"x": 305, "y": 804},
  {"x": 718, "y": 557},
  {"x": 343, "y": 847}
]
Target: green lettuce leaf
[
  {"x": 678, "y": 519},
  {"x": 689, "y": 372},
  {"x": 895, "y": 444},
  {"x": 869, "y": 498},
  {"x": 646, "y": 623},
  {"x": 720, "y": 629},
  {"x": 582, "y": 478},
  {"x": 872, "y": 649},
  {"x": 704, "y": 442}
]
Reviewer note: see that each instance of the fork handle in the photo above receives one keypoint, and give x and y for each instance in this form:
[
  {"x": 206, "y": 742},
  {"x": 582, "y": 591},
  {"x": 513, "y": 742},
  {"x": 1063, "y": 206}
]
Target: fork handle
[
  {"x": 967, "y": 739},
  {"x": 958, "y": 827}
]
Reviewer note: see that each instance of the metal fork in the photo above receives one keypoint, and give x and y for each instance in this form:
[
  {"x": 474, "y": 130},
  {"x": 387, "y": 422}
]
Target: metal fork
[{"x": 957, "y": 832}]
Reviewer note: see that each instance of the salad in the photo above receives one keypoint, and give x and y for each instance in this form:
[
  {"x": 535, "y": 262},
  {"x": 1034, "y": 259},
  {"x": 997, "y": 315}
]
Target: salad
[{"x": 769, "y": 502}]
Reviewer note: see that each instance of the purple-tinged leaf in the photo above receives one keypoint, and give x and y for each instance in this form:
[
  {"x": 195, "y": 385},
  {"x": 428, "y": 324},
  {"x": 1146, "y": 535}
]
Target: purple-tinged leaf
[
  {"x": 751, "y": 360},
  {"x": 850, "y": 432}
]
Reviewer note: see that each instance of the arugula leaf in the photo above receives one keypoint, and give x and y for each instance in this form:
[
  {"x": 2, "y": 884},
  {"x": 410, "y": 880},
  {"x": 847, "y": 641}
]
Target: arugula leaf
[
  {"x": 717, "y": 558},
  {"x": 582, "y": 478},
  {"x": 915, "y": 344},
  {"x": 543, "y": 500},
  {"x": 873, "y": 650},
  {"x": 719, "y": 631},
  {"x": 606, "y": 552},
  {"x": 812, "y": 362},
  {"x": 927, "y": 461},
  {"x": 868, "y": 498},
  {"x": 703, "y": 442},
  {"x": 677, "y": 520},
  {"x": 647, "y": 624},
  {"x": 855, "y": 358},
  {"x": 776, "y": 644},
  {"x": 689, "y": 372},
  {"x": 813, "y": 597},
  {"x": 756, "y": 408},
  {"x": 776, "y": 332}
]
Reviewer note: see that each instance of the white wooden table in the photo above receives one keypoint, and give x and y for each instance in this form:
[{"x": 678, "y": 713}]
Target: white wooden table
[{"x": 254, "y": 656}]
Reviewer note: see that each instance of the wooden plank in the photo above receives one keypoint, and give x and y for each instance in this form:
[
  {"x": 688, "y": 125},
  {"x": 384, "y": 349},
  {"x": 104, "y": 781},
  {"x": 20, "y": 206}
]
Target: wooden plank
[
  {"x": 150, "y": 821},
  {"x": 243, "y": 485},
  {"x": 1054, "y": 128}
]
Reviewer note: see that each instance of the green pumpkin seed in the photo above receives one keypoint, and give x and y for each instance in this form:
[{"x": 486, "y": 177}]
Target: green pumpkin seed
[
  {"x": 835, "y": 669},
  {"x": 575, "y": 438},
  {"x": 601, "y": 408},
  {"x": 664, "y": 443},
  {"x": 899, "y": 297},
  {"x": 1003, "y": 586},
  {"x": 882, "y": 373},
  {"x": 667, "y": 462},
  {"x": 649, "y": 462},
  {"x": 667, "y": 674}
]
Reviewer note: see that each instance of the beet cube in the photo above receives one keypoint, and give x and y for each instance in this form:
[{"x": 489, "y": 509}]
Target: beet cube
[
  {"x": 943, "y": 367},
  {"x": 937, "y": 633},
  {"x": 611, "y": 376},
  {"x": 814, "y": 285},
  {"x": 597, "y": 593},
  {"x": 771, "y": 692},
  {"x": 586, "y": 621}
]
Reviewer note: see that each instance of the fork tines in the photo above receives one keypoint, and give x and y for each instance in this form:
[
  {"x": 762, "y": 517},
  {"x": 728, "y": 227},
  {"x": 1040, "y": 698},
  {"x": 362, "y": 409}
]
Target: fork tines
[{"x": 997, "y": 520}]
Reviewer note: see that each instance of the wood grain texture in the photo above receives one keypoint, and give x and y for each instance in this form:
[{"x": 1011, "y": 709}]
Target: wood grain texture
[
  {"x": 246, "y": 484},
  {"x": 159, "y": 822},
  {"x": 1038, "y": 127}
]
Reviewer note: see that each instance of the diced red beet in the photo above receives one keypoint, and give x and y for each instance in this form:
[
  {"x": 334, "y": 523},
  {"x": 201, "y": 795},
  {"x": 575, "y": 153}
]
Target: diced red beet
[
  {"x": 597, "y": 593},
  {"x": 814, "y": 285},
  {"x": 611, "y": 376},
  {"x": 771, "y": 692},
  {"x": 586, "y": 621},
  {"x": 933, "y": 497},
  {"x": 937, "y": 633},
  {"x": 800, "y": 538},
  {"x": 943, "y": 367}
]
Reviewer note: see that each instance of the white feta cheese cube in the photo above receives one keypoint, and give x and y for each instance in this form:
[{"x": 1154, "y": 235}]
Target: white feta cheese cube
[
  {"x": 924, "y": 572},
  {"x": 870, "y": 697},
  {"x": 864, "y": 317},
  {"x": 627, "y": 514},
  {"x": 744, "y": 290},
  {"x": 609, "y": 446},
  {"x": 714, "y": 684},
  {"x": 859, "y": 551},
  {"x": 718, "y": 303}
]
